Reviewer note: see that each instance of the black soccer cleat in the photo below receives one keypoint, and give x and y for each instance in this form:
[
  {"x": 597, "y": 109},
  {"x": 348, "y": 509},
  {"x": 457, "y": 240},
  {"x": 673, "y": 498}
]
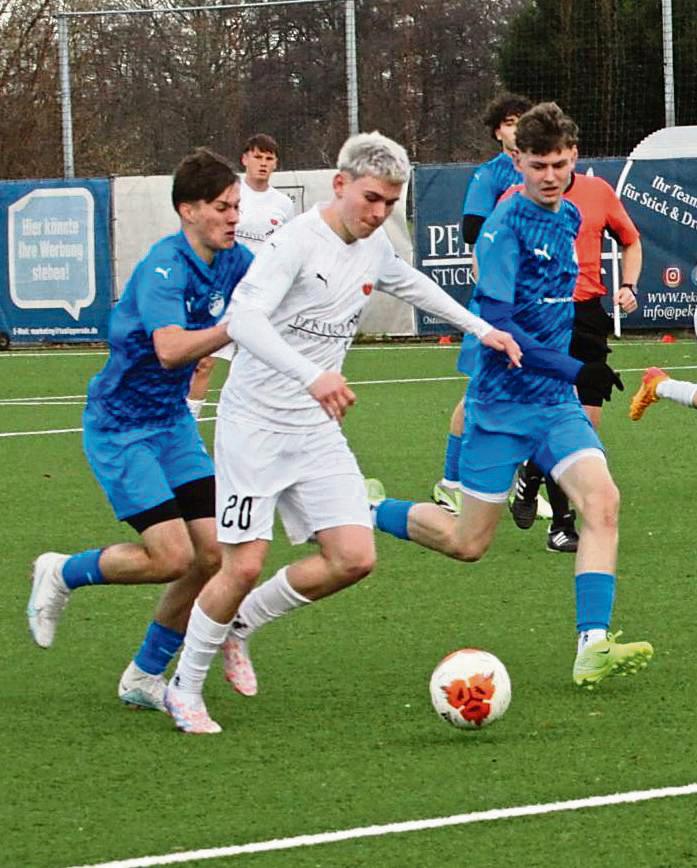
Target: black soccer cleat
[
  {"x": 524, "y": 503},
  {"x": 563, "y": 537}
]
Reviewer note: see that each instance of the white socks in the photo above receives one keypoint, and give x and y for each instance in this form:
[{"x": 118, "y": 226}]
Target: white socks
[
  {"x": 677, "y": 390},
  {"x": 265, "y": 603},
  {"x": 202, "y": 642},
  {"x": 195, "y": 406},
  {"x": 590, "y": 637}
]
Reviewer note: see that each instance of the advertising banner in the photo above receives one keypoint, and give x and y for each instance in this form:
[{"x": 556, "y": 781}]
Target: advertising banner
[
  {"x": 54, "y": 240},
  {"x": 659, "y": 195}
]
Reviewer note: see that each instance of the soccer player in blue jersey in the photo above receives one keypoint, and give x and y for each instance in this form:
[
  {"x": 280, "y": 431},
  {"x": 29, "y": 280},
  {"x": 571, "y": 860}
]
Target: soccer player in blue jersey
[
  {"x": 139, "y": 436},
  {"x": 527, "y": 273},
  {"x": 495, "y": 176},
  {"x": 486, "y": 186}
]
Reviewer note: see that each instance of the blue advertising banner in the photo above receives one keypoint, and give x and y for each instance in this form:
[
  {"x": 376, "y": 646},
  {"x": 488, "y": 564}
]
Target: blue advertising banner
[
  {"x": 659, "y": 195},
  {"x": 54, "y": 239}
]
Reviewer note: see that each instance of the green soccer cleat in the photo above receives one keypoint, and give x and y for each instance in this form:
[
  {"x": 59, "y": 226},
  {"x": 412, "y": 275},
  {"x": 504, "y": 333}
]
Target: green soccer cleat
[
  {"x": 448, "y": 498},
  {"x": 375, "y": 492},
  {"x": 608, "y": 657}
]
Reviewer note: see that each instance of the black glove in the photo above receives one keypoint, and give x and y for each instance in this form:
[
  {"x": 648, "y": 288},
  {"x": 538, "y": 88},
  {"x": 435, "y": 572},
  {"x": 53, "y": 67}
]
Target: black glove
[{"x": 599, "y": 376}]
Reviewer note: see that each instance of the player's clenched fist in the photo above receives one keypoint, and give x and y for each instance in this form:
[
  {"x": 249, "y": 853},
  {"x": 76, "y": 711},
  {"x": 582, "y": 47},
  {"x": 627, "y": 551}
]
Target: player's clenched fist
[{"x": 332, "y": 393}]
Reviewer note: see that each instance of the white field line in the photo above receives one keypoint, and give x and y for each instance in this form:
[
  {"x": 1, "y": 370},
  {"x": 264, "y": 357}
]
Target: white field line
[
  {"x": 56, "y": 401},
  {"x": 49, "y": 354},
  {"x": 399, "y": 828}
]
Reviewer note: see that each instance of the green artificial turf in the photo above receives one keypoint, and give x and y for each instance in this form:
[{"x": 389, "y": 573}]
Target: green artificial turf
[{"x": 342, "y": 734}]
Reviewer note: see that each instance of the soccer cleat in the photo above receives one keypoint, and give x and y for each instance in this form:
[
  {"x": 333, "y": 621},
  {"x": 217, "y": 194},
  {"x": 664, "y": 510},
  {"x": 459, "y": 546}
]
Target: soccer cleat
[
  {"x": 448, "y": 497},
  {"x": 139, "y": 689},
  {"x": 375, "y": 492},
  {"x": 607, "y": 657},
  {"x": 524, "y": 503},
  {"x": 646, "y": 393},
  {"x": 189, "y": 717},
  {"x": 237, "y": 666},
  {"x": 564, "y": 537},
  {"x": 49, "y": 596}
]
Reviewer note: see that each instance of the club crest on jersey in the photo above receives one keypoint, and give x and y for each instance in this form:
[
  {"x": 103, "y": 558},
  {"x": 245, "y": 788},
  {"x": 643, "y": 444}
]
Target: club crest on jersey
[
  {"x": 274, "y": 222},
  {"x": 216, "y": 305},
  {"x": 367, "y": 288}
]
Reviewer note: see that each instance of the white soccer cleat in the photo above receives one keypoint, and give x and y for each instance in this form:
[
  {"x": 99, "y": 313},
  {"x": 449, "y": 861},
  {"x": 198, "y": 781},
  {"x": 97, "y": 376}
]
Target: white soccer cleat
[
  {"x": 190, "y": 717},
  {"x": 139, "y": 689},
  {"x": 49, "y": 596},
  {"x": 237, "y": 666}
]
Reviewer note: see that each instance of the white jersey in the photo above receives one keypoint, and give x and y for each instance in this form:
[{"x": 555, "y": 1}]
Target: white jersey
[
  {"x": 261, "y": 214},
  {"x": 296, "y": 311}
]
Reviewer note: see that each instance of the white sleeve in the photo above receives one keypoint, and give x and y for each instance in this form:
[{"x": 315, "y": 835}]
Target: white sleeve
[
  {"x": 256, "y": 297},
  {"x": 401, "y": 280}
]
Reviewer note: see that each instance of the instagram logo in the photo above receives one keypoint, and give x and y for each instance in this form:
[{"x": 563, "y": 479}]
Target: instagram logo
[{"x": 672, "y": 276}]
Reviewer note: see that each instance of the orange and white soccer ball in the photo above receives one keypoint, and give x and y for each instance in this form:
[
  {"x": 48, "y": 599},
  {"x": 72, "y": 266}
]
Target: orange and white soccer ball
[{"x": 470, "y": 688}]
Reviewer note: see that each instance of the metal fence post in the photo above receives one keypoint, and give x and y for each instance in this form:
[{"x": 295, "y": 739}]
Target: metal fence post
[
  {"x": 668, "y": 78},
  {"x": 351, "y": 68},
  {"x": 66, "y": 107}
]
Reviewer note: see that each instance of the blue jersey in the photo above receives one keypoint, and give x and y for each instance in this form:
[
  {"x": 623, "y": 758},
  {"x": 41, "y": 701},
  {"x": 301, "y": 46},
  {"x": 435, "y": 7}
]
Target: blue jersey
[
  {"x": 171, "y": 286},
  {"x": 488, "y": 183},
  {"x": 527, "y": 258}
]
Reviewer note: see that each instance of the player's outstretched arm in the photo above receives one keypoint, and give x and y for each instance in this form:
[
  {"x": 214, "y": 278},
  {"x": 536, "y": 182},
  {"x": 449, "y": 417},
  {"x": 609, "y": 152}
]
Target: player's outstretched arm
[
  {"x": 176, "y": 346},
  {"x": 405, "y": 282}
]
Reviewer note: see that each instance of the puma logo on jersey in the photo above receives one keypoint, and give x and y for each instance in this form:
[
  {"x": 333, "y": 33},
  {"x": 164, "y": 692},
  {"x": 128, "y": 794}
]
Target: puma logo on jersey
[
  {"x": 543, "y": 253},
  {"x": 323, "y": 279},
  {"x": 163, "y": 271},
  {"x": 490, "y": 235}
]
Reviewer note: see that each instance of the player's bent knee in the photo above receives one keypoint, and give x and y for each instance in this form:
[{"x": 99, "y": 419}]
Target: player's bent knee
[
  {"x": 173, "y": 566},
  {"x": 469, "y": 551},
  {"x": 352, "y": 566},
  {"x": 601, "y": 507},
  {"x": 245, "y": 574}
]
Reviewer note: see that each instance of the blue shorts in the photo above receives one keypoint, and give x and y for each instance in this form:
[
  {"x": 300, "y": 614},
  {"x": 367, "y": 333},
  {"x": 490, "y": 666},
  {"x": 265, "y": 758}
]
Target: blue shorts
[
  {"x": 499, "y": 436},
  {"x": 139, "y": 468}
]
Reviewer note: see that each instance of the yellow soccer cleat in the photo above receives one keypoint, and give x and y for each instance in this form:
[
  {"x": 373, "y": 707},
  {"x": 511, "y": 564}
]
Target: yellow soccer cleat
[{"x": 609, "y": 657}]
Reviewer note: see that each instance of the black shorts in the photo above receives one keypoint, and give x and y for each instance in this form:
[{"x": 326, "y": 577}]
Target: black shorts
[
  {"x": 191, "y": 501},
  {"x": 592, "y": 325}
]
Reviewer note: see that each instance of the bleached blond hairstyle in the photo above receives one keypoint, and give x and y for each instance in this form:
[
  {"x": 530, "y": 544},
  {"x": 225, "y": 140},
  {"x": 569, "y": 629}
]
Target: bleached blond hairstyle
[{"x": 376, "y": 155}]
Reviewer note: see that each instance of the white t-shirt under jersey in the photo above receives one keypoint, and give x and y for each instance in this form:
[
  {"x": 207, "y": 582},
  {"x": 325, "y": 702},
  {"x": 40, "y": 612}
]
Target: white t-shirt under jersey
[
  {"x": 261, "y": 214},
  {"x": 295, "y": 314}
]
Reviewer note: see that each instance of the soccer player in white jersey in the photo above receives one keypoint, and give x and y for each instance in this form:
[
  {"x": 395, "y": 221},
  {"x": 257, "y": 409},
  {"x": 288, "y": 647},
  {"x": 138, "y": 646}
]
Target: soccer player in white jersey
[
  {"x": 278, "y": 439},
  {"x": 263, "y": 210}
]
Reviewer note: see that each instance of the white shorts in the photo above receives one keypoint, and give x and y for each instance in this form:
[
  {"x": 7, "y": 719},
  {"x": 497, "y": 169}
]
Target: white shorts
[{"x": 313, "y": 478}]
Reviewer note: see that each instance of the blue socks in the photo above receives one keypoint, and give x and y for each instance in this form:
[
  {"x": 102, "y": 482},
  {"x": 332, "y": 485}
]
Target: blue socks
[
  {"x": 451, "y": 468},
  {"x": 595, "y": 596},
  {"x": 158, "y": 648},
  {"x": 391, "y": 516},
  {"x": 83, "y": 569}
]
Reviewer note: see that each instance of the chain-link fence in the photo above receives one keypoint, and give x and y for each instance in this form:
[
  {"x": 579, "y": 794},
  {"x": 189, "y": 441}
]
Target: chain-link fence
[{"x": 145, "y": 88}]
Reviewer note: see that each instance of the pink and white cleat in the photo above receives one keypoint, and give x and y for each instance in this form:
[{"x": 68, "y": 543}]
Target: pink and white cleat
[
  {"x": 190, "y": 717},
  {"x": 237, "y": 666}
]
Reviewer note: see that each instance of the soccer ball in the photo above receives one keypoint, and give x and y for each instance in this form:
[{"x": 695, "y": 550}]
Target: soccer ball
[{"x": 470, "y": 688}]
